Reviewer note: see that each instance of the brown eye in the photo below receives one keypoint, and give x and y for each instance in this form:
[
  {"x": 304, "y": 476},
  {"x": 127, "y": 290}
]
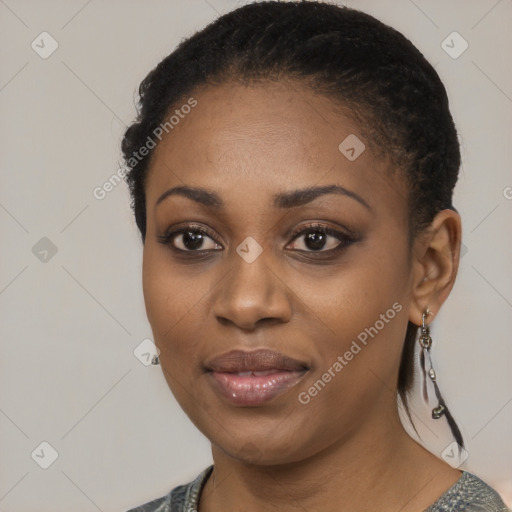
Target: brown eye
[
  {"x": 315, "y": 240},
  {"x": 190, "y": 240},
  {"x": 319, "y": 239}
]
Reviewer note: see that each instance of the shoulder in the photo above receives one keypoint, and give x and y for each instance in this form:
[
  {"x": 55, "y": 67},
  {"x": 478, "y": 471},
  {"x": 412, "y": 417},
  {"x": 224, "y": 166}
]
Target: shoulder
[
  {"x": 469, "y": 494},
  {"x": 183, "y": 498}
]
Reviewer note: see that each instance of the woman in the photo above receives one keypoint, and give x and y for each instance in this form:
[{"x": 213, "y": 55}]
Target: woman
[{"x": 292, "y": 169}]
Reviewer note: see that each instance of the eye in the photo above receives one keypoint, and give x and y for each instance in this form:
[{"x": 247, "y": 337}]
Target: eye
[
  {"x": 190, "y": 239},
  {"x": 320, "y": 238}
]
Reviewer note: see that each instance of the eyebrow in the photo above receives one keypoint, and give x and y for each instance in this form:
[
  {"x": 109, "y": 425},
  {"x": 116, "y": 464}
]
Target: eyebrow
[
  {"x": 199, "y": 195},
  {"x": 289, "y": 199},
  {"x": 303, "y": 196}
]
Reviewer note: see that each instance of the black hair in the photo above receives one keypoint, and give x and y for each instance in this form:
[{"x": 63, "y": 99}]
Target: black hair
[{"x": 341, "y": 52}]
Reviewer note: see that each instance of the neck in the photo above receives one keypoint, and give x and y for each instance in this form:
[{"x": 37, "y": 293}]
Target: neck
[{"x": 375, "y": 465}]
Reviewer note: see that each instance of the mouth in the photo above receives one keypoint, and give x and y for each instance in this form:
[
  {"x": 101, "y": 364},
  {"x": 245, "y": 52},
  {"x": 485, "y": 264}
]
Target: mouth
[{"x": 254, "y": 378}]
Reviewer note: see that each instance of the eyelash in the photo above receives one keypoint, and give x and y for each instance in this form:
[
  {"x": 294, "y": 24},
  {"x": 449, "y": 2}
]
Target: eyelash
[
  {"x": 167, "y": 238},
  {"x": 344, "y": 239}
]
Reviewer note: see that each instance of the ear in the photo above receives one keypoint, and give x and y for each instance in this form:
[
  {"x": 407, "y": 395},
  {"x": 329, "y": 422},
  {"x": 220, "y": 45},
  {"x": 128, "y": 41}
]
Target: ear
[{"x": 436, "y": 253}]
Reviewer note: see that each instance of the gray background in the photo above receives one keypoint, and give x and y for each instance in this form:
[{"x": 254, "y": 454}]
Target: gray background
[{"x": 71, "y": 320}]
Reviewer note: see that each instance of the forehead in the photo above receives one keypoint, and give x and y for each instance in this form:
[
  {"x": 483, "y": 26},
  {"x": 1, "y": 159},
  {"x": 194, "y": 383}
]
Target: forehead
[{"x": 267, "y": 136}]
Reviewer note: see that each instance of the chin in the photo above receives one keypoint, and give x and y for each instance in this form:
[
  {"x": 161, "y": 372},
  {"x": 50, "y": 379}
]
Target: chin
[{"x": 266, "y": 449}]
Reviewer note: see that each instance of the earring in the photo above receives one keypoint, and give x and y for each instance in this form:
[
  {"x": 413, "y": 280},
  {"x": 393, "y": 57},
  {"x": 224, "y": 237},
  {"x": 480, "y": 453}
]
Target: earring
[
  {"x": 441, "y": 409},
  {"x": 426, "y": 344},
  {"x": 155, "y": 360}
]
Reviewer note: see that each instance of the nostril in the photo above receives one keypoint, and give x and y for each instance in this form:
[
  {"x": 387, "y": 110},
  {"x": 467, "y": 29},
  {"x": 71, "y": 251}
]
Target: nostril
[
  {"x": 268, "y": 321},
  {"x": 223, "y": 321},
  {"x": 249, "y": 326}
]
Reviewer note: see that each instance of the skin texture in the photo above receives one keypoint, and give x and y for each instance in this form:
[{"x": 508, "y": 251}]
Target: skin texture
[{"x": 247, "y": 143}]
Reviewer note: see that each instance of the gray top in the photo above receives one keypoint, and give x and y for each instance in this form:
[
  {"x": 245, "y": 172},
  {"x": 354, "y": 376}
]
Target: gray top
[{"x": 468, "y": 494}]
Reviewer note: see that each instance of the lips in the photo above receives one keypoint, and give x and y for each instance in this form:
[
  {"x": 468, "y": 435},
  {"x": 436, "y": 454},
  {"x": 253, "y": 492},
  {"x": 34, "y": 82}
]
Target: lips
[{"x": 253, "y": 378}]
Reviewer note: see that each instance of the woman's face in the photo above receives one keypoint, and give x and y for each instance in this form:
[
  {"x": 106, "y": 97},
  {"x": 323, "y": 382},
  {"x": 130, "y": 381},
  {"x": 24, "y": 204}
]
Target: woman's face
[{"x": 293, "y": 245}]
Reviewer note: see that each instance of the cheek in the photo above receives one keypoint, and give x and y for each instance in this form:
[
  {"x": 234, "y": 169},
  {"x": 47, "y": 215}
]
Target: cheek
[
  {"x": 361, "y": 309},
  {"x": 353, "y": 295},
  {"x": 172, "y": 302}
]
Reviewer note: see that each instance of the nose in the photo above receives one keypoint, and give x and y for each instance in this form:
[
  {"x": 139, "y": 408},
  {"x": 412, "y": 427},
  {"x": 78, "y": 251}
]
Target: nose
[{"x": 251, "y": 294}]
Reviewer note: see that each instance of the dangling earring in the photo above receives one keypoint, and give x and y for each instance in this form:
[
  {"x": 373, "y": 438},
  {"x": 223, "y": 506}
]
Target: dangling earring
[
  {"x": 426, "y": 344},
  {"x": 155, "y": 360},
  {"x": 441, "y": 409}
]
